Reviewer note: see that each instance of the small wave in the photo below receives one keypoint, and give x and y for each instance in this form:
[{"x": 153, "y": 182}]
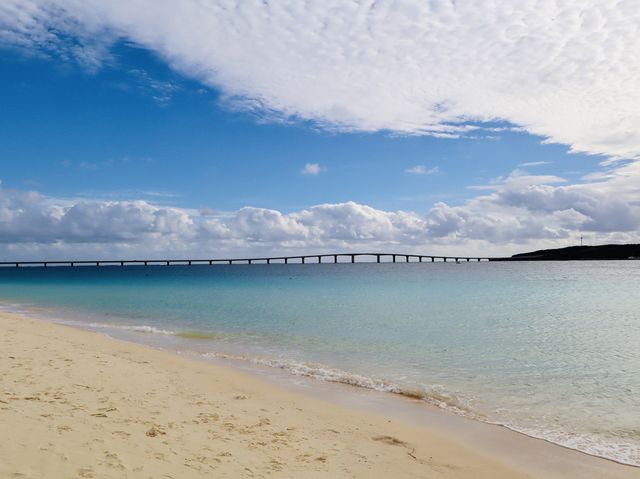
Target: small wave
[
  {"x": 613, "y": 449},
  {"x": 148, "y": 329},
  {"x": 138, "y": 328},
  {"x": 14, "y": 308},
  {"x": 143, "y": 328},
  {"x": 325, "y": 373}
]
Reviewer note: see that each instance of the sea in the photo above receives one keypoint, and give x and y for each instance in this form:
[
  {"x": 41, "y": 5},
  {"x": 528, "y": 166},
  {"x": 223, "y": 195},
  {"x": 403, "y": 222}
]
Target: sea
[{"x": 549, "y": 349}]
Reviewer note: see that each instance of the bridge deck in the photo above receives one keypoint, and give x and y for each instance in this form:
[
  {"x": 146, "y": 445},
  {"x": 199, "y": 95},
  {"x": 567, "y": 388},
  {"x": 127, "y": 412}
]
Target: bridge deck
[{"x": 312, "y": 258}]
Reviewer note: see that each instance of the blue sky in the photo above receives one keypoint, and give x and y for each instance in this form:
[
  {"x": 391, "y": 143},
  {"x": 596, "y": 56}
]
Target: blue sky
[
  {"x": 106, "y": 116},
  {"x": 71, "y": 132}
]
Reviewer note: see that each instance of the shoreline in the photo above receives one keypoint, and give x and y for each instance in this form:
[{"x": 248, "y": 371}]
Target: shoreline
[
  {"x": 334, "y": 389},
  {"x": 488, "y": 437},
  {"x": 258, "y": 429}
]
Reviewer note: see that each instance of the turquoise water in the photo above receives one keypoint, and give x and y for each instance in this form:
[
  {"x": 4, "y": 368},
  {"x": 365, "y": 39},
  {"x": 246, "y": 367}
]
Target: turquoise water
[{"x": 548, "y": 349}]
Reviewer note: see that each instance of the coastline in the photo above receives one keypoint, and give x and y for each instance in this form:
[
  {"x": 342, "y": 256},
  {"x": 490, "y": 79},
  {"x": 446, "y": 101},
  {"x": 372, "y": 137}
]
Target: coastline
[{"x": 83, "y": 404}]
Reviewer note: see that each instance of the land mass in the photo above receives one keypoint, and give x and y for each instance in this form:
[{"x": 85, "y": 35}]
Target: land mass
[{"x": 581, "y": 253}]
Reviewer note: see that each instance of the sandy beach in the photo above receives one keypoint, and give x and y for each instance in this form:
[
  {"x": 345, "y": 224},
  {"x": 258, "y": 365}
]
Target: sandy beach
[{"x": 80, "y": 404}]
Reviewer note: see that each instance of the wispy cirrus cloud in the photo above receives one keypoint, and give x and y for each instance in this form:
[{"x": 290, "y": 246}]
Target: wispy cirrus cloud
[
  {"x": 534, "y": 163},
  {"x": 413, "y": 67}
]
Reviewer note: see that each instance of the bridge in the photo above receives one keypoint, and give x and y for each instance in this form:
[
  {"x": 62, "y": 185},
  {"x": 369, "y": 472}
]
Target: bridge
[{"x": 297, "y": 259}]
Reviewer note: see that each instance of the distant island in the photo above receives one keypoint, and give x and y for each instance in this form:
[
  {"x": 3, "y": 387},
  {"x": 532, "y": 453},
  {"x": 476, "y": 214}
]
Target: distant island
[{"x": 581, "y": 253}]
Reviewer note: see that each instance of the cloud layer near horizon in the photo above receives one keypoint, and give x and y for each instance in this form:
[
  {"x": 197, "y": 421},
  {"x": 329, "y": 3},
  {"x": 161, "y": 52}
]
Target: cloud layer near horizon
[
  {"x": 564, "y": 70},
  {"x": 519, "y": 212}
]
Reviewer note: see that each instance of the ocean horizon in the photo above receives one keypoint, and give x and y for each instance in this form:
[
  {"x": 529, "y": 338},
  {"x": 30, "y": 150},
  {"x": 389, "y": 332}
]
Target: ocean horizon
[{"x": 548, "y": 349}]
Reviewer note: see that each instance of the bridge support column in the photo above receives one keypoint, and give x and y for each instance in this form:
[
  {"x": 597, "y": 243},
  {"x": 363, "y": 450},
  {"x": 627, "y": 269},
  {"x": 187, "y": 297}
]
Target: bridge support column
[
  {"x": 286, "y": 261},
  {"x": 407, "y": 258},
  {"x": 433, "y": 260},
  {"x": 353, "y": 258},
  {"x": 302, "y": 260},
  {"x": 335, "y": 258},
  {"x": 377, "y": 258},
  {"x": 394, "y": 258},
  {"x": 249, "y": 261},
  {"x": 319, "y": 259},
  {"x": 230, "y": 262}
]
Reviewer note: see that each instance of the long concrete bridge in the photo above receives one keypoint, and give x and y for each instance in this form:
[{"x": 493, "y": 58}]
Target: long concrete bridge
[{"x": 299, "y": 259}]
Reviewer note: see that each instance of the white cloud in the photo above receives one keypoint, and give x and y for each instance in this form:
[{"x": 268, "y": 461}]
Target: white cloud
[
  {"x": 519, "y": 213},
  {"x": 312, "y": 169},
  {"x": 518, "y": 179},
  {"x": 564, "y": 70},
  {"x": 534, "y": 163},
  {"x": 161, "y": 91},
  {"x": 524, "y": 208},
  {"x": 422, "y": 170}
]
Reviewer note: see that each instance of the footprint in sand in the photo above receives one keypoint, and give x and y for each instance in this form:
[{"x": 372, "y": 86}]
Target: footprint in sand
[
  {"x": 155, "y": 431},
  {"x": 112, "y": 460},
  {"x": 392, "y": 441}
]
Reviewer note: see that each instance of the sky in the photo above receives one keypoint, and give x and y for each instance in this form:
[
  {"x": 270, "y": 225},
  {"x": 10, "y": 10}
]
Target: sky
[{"x": 147, "y": 129}]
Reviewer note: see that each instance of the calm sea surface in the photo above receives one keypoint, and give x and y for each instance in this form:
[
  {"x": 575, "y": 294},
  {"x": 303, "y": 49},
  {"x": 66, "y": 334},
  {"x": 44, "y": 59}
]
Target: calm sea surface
[{"x": 548, "y": 349}]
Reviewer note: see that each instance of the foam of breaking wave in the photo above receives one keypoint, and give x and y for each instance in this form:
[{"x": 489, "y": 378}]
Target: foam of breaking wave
[
  {"x": 614, "y": 449},
  {"x": 30, "y": 311},
  {"x": 329, "y": 374},
  {"x": 138, "y": 328},
  {"x": 13, "y": 308}
]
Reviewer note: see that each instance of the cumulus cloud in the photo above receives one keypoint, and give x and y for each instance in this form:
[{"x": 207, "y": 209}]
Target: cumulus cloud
[
  {"x": 31, "y": 223},
  {"x": 523, "y": 208},
  {"x": 564, "y": 70},
  {"x": 422, "y": 170},
  {"x": 312, "y": 169},
  {"x": 28, "y": 217},
  {"x": 519, "y": 212}
]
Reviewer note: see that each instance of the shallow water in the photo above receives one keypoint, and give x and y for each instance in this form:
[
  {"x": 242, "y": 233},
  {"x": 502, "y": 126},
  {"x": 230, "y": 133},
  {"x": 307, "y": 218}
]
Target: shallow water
[{"x": 549, "y": 349}]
